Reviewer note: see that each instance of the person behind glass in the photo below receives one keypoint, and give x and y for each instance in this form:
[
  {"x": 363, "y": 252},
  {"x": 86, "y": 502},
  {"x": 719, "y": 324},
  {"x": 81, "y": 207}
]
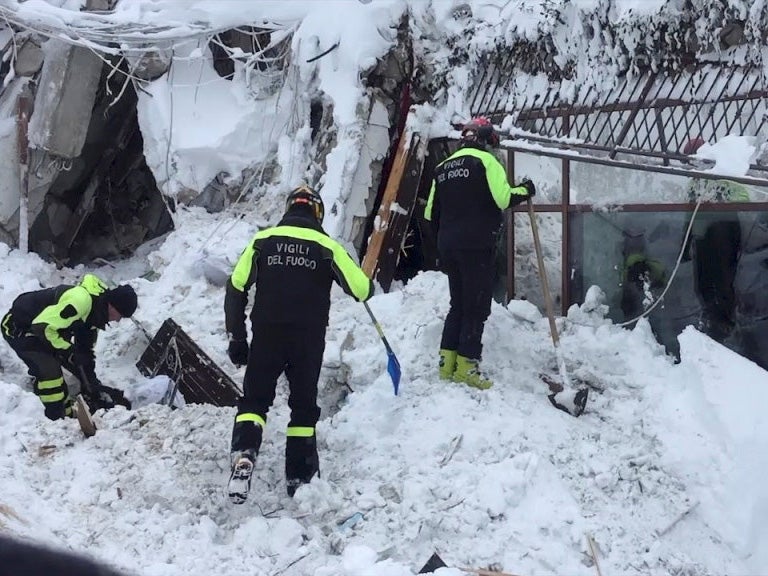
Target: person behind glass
[
  {"x": 292, "y": 267},
  {"x": 468, "y": 193},
  {"x": 642, "y": 277},
  {"x": 714, "y": 247}
]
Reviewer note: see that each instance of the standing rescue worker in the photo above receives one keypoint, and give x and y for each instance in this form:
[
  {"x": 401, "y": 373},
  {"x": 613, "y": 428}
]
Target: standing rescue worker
[
  {"x": 715, "y": 248},
  {"x": 468, "y": 193},
  {"x": 57, "y": 327},
  {"x": 292, "y": 266}
]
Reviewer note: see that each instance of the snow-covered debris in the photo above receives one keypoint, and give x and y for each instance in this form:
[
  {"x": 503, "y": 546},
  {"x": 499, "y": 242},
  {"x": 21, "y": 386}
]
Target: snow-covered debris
[
  {"x": 496, "y": 478},
  {"x": 664, "y": 471}
]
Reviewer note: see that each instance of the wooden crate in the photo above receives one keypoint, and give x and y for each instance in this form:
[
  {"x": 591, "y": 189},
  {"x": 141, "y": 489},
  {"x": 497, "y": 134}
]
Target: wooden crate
[{"x": 199, "y": 380}]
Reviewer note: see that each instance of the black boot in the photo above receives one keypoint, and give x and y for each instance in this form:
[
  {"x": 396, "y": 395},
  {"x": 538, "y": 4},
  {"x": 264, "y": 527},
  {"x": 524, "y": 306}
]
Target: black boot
[{"x": 301, "y": 461}]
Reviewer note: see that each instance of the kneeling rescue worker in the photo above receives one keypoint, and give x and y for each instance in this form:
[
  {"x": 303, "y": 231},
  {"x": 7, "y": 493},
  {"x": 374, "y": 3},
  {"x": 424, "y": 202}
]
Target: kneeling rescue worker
[
  {"x": 57, "y": 327},
  {"x": 292, "y": 266}
]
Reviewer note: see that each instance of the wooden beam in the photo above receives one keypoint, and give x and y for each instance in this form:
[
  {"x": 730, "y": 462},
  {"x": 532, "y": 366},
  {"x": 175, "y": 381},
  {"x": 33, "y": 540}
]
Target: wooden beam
[
  {"x": 22, "y": 143},
  {"x": 198, "y": 378},
  {"x": 401, "y": 214},
  {"x": 383, "y": 216}
]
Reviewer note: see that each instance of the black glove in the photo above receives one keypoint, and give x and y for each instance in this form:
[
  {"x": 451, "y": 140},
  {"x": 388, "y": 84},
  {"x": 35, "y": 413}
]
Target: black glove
[
  {"x": 10, "y": 328},
  {"x": 75, "y": 358},
  {"x": 238, "y": 352},
  {"x": 528, "y": 185},
  {"x": 105, "y": 397}
]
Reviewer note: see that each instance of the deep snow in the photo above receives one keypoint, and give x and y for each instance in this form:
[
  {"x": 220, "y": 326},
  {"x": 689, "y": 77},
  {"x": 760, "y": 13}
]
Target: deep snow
[
  {"x": 496, "y": 478},
  {"x": 665, "y": 469}
]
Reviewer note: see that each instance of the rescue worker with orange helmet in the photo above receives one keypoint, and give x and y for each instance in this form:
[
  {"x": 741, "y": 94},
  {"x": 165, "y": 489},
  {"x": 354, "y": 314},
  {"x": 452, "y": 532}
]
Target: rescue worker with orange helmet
[{"x": 292, "y": 267}]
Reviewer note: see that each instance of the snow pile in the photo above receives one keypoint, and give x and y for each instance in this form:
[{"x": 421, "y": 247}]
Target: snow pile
[
  {"x": 662, "y": 471},
  {"x": 732, "y": 155},
  {"x": 198, "y": 126}
]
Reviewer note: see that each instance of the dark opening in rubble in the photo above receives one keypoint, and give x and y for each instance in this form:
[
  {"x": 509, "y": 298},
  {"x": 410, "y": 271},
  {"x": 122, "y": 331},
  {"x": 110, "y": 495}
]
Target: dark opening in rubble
[{"x": 106, "y": 201}]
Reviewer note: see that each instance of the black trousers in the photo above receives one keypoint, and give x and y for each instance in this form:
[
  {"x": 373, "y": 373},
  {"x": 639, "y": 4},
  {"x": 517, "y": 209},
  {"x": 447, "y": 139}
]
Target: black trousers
[
  {"x": 470, "y": 281},
  {"x": 45, "y": 367},
  {"x": 296, "y": 351}
]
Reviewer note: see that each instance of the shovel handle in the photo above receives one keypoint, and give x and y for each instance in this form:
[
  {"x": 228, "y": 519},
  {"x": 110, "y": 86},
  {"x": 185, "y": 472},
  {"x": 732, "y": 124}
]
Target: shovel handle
[
  {"x": 85, "y": 382},
  {"x": 543, "y": 276}
]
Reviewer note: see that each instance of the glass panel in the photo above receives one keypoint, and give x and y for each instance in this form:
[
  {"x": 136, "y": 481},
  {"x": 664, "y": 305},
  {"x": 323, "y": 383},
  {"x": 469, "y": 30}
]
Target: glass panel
[
  {"x": 721, "y": 285},
  {"x": 546, "y": 173},
  {"x": 527, "y": 283},
  {"x": 600, "y": 185},
  {"x": 605, "y": 185},
  {"x": 757, "y": 193}
]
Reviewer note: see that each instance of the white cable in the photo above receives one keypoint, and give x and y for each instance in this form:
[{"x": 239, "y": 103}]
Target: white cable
[
  {"x": 168, "y": 147},
  {"x": 674, "y": 271}
]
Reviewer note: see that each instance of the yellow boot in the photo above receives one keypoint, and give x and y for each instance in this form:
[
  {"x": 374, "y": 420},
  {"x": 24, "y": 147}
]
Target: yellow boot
[
  {"x": 447, "y": 364},
  {"x": 468, "y": 372}
]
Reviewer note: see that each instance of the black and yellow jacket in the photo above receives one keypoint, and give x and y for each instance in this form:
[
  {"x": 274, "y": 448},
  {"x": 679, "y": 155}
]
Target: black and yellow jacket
[
  {"x": 63, "y": 315},
  {"x": 292, "y": 267},
  {"x": 469, "y": 191}
]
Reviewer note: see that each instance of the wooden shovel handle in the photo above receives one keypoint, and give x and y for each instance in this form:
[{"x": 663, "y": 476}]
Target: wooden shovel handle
[{"x": 543, "y": 275}]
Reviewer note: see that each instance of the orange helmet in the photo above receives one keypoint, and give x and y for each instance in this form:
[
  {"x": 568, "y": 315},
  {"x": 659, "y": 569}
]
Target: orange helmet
[{"x": 480, "y": 130}]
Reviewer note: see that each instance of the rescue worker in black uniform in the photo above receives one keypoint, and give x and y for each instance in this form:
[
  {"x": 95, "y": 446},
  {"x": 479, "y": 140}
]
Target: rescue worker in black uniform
[
  {"x": 715, "y": 248},
  {"x": 57, "y": 327},
  {"x": 469, "y": 192},
  {"x": 292, "y": 267}
]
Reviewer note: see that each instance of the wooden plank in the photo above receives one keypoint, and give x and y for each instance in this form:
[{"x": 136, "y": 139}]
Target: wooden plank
[
  {"x": 174, "y": 354},
  {"x": 83, "y": 414},
  {"x": 401, "y": 213},
  {"x": 395, "y": 211},
  {"x": 381, "y": 223},
  {"x": 22, "y": 143}
]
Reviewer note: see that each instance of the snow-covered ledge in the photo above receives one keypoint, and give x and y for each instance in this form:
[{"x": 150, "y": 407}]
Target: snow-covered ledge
[{"x": 198, "y": 126}]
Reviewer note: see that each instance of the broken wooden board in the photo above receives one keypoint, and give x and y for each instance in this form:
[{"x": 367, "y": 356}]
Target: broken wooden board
[
  {"x": 172, "y": 353},
  {"x": 84, "y": 417},
  {"x": 395, "y": 210},
  {"x": 436, "y": 562}
]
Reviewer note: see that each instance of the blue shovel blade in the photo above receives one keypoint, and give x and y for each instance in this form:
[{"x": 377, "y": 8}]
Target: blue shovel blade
[{"x": 393, "y": 367}]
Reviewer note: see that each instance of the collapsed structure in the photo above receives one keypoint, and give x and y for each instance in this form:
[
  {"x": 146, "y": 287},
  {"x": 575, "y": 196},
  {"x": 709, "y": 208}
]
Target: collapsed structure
[{"x": 598, "y": 105}]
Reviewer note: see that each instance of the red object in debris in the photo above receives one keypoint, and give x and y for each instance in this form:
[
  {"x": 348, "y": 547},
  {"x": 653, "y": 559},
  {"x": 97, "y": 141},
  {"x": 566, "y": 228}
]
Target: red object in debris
[{"x": 692, "y": 146}]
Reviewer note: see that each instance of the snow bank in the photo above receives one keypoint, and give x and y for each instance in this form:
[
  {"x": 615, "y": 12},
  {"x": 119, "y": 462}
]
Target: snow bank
[{"x": 662, "y": 470}]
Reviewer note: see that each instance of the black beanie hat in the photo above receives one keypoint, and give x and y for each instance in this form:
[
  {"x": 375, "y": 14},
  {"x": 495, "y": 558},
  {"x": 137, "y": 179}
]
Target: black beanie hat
[{"x": 123, "y": 299}]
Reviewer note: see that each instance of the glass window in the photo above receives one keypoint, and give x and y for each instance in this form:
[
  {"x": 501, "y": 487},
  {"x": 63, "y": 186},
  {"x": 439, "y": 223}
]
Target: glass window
[
  {"x": 721, "y": 285},
  {"x": 527, "y": 283},
  {"x": 607, "y": 185},
  {"x": 546, "y": 173}
]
